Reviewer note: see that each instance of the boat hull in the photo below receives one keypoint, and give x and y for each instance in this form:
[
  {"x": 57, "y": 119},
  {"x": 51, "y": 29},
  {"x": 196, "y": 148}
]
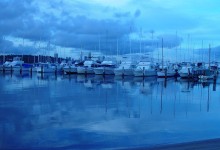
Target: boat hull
[
  {"x": 124, "y": 72},
  {"x": 84, "y": 70},
  {"x": 144, "y": 73},
  {"x": 163, "y": 74},
  {"x": 45, "y": 70},
  {"x": 104, "y": 71},
  {"x": 70, "y": 70}
]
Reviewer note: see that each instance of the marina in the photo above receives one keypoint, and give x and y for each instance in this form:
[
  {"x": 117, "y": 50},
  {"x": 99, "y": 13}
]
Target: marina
[
  {"x": 144, "y": 66},
  {"x": 108, "y": 74}
]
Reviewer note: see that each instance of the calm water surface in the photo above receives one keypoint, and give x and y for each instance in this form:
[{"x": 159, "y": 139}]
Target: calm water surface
[{"x": 79, "y": 112}]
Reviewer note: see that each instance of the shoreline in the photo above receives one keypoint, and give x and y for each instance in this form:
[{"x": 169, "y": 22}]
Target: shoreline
[{"x": 210, "y": 144}]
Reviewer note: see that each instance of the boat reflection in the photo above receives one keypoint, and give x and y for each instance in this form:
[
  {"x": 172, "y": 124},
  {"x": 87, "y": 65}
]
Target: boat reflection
[{"x": 69, "y": 106}]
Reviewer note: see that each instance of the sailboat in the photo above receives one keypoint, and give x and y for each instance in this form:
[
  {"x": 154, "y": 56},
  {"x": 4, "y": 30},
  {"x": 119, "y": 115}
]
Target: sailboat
[
  {"x": 167, "y": 71},
  {"x": 208, "y": 73}
]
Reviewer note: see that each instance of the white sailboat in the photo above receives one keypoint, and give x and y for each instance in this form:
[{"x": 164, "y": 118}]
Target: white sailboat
[
  {"x": 165, "y": 71},
  {"x": 126, "y": 68},
  {"x": 208, "y": 73},
  {"x": 186, "y": 71},
  {"x": 106, "y": 67},
  {"x": 70, "y": 69},
  {"x": 87, "y": 68},
  {"x": 145, "y": 69},
  {"x": 46, "y": 68},
  {"x": 15, "y": 65}
]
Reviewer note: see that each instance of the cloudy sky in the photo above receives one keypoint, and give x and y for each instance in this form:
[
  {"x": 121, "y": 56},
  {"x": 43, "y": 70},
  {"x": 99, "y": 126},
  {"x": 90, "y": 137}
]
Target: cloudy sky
[{"x": 108, "y": 26}]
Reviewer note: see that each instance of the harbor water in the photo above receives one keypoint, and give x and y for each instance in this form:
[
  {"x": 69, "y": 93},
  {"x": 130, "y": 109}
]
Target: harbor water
[{"x": 43, "y": 111}]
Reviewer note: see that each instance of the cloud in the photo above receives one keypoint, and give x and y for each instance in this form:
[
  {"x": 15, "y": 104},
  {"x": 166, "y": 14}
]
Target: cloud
[
  {"x": 169, "y": 40},
  {"x": 121, "y": 15},
  {"x": 81, "y": 24}
]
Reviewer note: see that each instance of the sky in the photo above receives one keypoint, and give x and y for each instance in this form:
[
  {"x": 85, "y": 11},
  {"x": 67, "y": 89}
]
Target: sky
[{"x": 107, "y": 26}]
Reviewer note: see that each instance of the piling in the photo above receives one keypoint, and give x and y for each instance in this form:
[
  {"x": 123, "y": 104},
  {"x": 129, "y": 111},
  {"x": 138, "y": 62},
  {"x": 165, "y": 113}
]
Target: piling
[
  {"x": 41, "y": 69},
  {"x": 56, "y": 70},
  {"x": 3, "y": 69},
  {"x": 123, "y": 72},
  {"x": 103, "y": 71},
  {"x": 165, "y": 73},
  {"x": 20, "y": 69},
  {"x": 188, "y": 72}
]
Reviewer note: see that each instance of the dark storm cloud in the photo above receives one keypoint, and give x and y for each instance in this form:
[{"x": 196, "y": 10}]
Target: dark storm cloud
[
  {"x": 22, "y": 19},
  {"x": 169, "y": 40},
  {"x": 67, "y": 26},
  {"x": 12, "y": 14},
  {"x": 81, "y": 31}
]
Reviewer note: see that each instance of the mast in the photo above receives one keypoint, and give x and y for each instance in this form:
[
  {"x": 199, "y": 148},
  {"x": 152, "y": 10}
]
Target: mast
[
  {"x": 140, "y": 39},
  {"x": 162, "y": 53},
  {"x": 209, "y": 54},
  {"x": 117, "y": 47},
  {"x": 176, "y": 46},
  {"x": 140, "y": 45},
  {"x": 130, "y": 40},
  {"x": 99, "y": 45},
  {"x": 202, "y": 50},
  {"x": 4, "y": 51}
]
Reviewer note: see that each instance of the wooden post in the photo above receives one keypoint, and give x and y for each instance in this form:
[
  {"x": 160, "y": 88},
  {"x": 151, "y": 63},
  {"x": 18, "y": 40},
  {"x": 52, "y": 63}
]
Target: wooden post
[
  {"x": 188, "y": 72},
  {"x": 123, "y": 70},
  {"x": 104, "y": 71},
  {"x": 41, "y": 69},
  {"x": 56, "y": 70},
  {"x": 31, "y": 70},
  {"x": 3, "y": 68},
  {"x": 165, "y": 73},
  {"x": 11, "y": 69},
  {"x": 20, "y": 69}
]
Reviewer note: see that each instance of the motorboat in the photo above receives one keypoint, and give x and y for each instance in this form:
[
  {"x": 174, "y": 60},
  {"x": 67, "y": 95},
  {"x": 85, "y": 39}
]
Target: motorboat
[
  {"x": 145, "y": 69},
  {"x": 106, "y": 68},
  {"x": 46, "y": 68},
  {"x": 126, "y": 68},
  {"x": 15, "y": 65},
  {"x": 166, "y": 71},
  {"x": 87, "y": 68}
]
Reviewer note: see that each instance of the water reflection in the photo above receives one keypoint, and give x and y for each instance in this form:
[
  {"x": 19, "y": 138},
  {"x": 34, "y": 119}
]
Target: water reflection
[{"x": 78, "y": 111}]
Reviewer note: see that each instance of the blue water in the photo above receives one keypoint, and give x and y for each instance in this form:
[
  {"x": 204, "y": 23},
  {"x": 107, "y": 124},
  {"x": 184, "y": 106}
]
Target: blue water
[{"x": 92, "y": 112}]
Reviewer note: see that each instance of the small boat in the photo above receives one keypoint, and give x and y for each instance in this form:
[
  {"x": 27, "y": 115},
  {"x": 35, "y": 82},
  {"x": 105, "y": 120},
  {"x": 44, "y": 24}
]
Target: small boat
[
  {"x": 186, "y": 71},
  {"x": 70, "y": 69},
  {"x": 87, "y": 68},
  {"x": 126, "y": 68},
  {"x": 46, "y": 68},
  {"x": 145, "y": 69},
  {"x": 166, "y": 73},
  {"x": 106, "y": 68},
  {"x": 16, "y": 64},
  {"x": 7, "y": 63},
  {"x": 208, "y": 74}
]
